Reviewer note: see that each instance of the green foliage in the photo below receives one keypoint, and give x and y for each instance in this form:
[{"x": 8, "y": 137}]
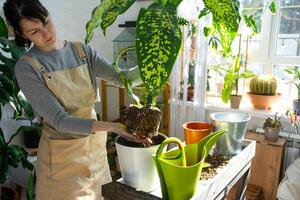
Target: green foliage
[
  {"x": 226, "y": 20},
  {"x": 295, "y": 72},
  {"x": 249, "y": 21},
  {"x": 273, "y": 122},
  {"x": 158, "y": 40},
  {"x": 11, "y": 155},
  {"x": 263, "y": 85},
  {"x": 273, "y": 7},
  {"x": 232, "y": 77},
  {"x": 116, "y": 7}
]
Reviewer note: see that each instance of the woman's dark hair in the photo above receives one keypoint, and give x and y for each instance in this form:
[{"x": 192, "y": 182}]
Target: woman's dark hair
[{"x": 16, "y": 10}]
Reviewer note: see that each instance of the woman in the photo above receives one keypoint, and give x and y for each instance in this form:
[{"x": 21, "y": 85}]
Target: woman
[{"x": 58, "y": 79}]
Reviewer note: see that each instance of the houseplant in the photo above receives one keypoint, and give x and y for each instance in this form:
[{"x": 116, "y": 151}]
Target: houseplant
[
  {"x": 272, "y": 127},
  {"x": 158, "y": 41},
  {"x": 295, "y": 72},
  {"x": 263, "y": 91},
  {"x": 9, "y": 88},
  {"x": 231, "y": 81},
  {"x": 12, "y": 155}
]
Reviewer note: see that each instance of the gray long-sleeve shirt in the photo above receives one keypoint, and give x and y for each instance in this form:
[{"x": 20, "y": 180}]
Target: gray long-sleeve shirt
[{"x": 42, "y": 100}]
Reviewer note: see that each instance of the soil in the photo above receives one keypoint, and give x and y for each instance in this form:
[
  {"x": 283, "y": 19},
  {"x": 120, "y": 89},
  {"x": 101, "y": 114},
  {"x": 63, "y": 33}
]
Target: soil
[
  {"x": 216, "y": 162},
  {"x": 158, "y": 139},
  {"x": 143, "y": 122}
]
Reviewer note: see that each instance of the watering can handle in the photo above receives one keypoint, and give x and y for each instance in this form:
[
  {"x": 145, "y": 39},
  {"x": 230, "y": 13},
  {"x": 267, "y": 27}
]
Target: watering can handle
[{"x": 180, "y": 146}]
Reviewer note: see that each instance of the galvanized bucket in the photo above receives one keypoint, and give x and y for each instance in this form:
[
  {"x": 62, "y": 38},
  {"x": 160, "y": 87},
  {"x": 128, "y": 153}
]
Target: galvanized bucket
[{"x": 235, "y": 124}]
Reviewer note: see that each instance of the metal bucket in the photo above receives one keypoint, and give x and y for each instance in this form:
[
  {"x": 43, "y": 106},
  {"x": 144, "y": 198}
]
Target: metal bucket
[{"x": 235, "y": 124}]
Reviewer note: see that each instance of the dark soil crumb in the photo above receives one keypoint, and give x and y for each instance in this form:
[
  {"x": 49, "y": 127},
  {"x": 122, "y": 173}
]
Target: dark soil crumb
[{"x": 216, "y": 162}]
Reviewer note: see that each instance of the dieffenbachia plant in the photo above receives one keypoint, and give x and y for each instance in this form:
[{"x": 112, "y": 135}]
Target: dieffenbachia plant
[
  {"x": 226, "y": 20},
  {"x": 158, "y": 40}
]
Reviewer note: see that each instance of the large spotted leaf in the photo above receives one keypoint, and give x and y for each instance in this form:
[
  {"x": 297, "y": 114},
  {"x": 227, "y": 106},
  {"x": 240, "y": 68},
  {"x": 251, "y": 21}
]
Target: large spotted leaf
[
  {"x": 226, "y": 19},
  {"x": 158, "y": 42},
  {"x": 105, "y": 14},
  {"x": 95, "y": 20},
  {"x": 116, "y": 8}
]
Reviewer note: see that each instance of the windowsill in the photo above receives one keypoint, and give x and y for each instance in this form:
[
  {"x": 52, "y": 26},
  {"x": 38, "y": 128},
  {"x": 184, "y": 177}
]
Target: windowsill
[{"x": 216, "y": 104}]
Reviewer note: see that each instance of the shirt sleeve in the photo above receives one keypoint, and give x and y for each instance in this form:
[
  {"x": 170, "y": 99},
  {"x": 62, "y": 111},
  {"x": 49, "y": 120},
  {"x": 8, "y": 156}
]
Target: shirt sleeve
[
  {"x": 44, "y": 102},
  {"x": 102, "y": 68}
]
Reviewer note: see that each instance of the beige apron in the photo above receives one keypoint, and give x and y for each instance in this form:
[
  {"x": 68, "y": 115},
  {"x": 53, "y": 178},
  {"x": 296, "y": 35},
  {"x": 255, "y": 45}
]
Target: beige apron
[{"x": 71, "y": 166}]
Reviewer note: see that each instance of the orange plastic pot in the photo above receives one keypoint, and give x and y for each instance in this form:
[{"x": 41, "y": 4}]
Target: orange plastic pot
[{"x": 195, "y": 131}]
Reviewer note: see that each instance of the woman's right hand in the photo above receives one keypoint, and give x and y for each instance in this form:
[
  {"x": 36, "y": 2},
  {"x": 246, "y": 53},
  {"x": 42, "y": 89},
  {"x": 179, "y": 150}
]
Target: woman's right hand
[{"x": 119, "y": 129}]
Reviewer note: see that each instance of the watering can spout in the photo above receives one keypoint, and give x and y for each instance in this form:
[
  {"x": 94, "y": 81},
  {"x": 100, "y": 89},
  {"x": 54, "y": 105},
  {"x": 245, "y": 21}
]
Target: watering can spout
[{"x": 180, "y": 170}]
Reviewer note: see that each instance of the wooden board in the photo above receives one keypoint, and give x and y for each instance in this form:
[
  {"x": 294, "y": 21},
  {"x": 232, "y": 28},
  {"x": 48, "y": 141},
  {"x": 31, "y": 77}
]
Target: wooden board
[{"x": 266, "y": 165}]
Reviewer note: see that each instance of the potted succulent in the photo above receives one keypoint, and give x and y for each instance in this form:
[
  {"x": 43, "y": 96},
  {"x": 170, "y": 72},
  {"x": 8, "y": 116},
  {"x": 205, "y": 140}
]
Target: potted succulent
[
  {"x": 263, "y": 91},
  {"x": 272, "y": 127},
  {"x": 295, "y": 72},
  {"x": 158, "y": 41}
]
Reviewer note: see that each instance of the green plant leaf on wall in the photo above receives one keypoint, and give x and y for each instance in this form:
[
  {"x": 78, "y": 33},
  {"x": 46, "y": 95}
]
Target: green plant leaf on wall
[
  {"x": 155, "y": 42},
  {"x": 226, "y": 19},
  {"x": 3, "y": 28},
  {"x": 110, "y": 14},
  {"x": 94, "y": 22}
]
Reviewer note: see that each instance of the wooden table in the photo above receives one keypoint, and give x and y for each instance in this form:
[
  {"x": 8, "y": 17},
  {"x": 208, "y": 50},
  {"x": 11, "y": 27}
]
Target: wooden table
[{"x": 218, "y": 187}]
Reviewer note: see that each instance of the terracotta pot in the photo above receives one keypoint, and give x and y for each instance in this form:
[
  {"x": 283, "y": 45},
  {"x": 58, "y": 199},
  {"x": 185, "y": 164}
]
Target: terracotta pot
[
  {"x": 235, "y": 101},
  {"x": 195, "y": 131},
  {"x": 263, "y": 102},
  {"x": 272, "y": 134}
]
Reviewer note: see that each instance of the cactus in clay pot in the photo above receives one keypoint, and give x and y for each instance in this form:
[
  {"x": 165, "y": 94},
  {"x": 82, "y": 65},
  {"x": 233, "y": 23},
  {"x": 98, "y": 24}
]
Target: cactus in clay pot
[{"x": 263, "y": 85}]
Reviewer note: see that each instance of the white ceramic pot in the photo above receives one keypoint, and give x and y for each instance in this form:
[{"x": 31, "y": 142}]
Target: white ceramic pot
[{"x": 137, "y": 166}]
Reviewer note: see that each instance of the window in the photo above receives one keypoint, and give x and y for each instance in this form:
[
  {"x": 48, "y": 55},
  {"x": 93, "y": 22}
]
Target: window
[{"x": 275, "y": 46}]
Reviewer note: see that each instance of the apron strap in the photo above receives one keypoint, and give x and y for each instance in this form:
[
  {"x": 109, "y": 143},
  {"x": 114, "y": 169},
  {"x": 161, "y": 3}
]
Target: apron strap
[
  {"x": 80, "y": 51},
  {"x": 33, "y": 62}
]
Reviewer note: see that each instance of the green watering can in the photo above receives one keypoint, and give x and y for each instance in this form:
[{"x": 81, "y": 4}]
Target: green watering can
[{"x": 180, "y": 170}]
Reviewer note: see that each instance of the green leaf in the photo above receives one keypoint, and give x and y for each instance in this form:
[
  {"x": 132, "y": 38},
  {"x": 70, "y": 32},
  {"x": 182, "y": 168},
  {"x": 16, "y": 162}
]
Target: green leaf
[
  {"x": 3, "y": 167},
  {"x": 250, "y": 23},
  {"x": 206, "y": 31},
  {"x": 226, "y": 19},
  {"x": 182, "y": 22},
  {"x": 273, "y": 7},
  {"x": 214, "y": 42},
  {"x": 175, "y": 2},
  {"x": 28, "y": 111},
  {"x": 31, "y": 185},
  {"x": 110, "y": 14},
  {"x": 2, "y": 139},
  {"x": 247, "y": 74},
  {"x": 3, "y": 28},
  {"x": 95, "y": 20},
  {"x": 158, "y": 43},
  {"x": 205, "y": 11},
  {"x": 236, "y": 64}
]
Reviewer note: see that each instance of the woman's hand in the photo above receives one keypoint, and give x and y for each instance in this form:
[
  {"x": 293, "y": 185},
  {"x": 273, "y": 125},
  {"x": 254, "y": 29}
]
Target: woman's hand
[{"x": 119, "y": 129}]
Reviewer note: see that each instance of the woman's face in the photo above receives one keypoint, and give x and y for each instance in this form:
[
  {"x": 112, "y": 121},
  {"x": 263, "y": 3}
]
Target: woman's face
[{"x": 41, "y": 35}]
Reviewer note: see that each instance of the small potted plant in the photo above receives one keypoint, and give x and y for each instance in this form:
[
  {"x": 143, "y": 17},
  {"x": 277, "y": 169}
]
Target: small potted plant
[
  {"x": 263, "y": 91},
  {"x": 295, "y": 72},
  {"x": 230, "y": 89},
  {"x": 272, "y": 127}
]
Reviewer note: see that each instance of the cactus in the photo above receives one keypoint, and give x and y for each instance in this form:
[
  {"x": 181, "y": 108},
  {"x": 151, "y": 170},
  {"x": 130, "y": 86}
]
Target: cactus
[{"x": 263, "y": 85}]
